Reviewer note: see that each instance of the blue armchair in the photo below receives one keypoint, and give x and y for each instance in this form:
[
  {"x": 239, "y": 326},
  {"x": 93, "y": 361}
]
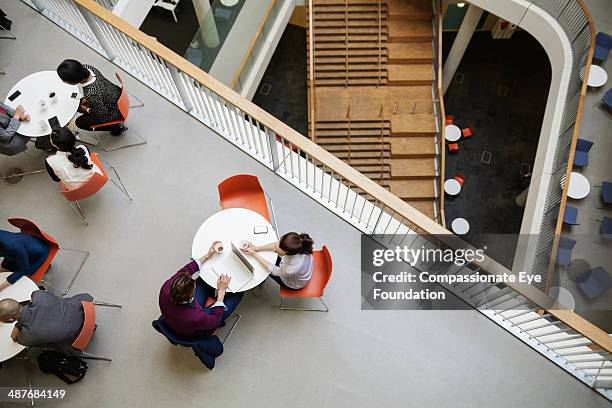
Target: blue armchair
[
  {"x": 606, "y": 228},
  {"x": 564, "y": 252},
  {"x": 570, "y": 215},
  {"x": 603, "y": 44},
  {"x": 606, "y": 192},
  {"x": 581, "y": 158},
  {"x": 594, "y": 282},
  {"x": 607, "y": 99}
]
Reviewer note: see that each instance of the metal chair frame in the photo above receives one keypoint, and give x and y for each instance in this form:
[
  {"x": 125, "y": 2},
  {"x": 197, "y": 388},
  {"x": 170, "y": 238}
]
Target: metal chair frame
[
  {"x": 90, "y": 356},
  {"x": 326, "y": 309},
  {"x": 65, "y": 291}
]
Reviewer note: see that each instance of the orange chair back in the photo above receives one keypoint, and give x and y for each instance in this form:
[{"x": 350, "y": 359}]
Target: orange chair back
[
  {"x": 467, "y": 132},
  {"x": 123, "y": 104},
  {"x": 93, "y": 185},
  {"x": 460, "y": 178},
  {"x": 453, "y": 147},
  {"x": 450, "y": 119},
  {"x": 244, "y": 191},
  {"x": 321, "y": 274},
  {"x": 29, "y": 228},
  {"x": 89, "y": 324}
]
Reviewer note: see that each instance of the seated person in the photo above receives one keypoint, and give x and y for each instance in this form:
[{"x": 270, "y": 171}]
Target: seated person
[
  {"x": 100, "y": 96},
  {"x": 71, "y": 164},
  {"x": 293, "y": 268},
  {"x": 182, "y": 301},
  {"x": 23, "y": 255},
  {"x": 12, "y": 143},
  {"x": 47, "y": 320}
]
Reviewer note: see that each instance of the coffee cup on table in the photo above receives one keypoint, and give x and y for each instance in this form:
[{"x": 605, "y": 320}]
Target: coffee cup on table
[
  {"x": 218, "y": 247},
  {"x": 52, "y": 96},
  {"x": 42, "y": 105}
]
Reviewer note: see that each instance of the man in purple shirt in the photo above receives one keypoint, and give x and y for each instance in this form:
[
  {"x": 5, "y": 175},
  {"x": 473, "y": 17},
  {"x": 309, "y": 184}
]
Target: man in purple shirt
[{"x": 182, "y": 300}]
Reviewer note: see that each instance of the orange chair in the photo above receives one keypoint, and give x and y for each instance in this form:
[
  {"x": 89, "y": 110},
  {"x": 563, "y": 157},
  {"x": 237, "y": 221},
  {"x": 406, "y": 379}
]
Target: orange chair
[
  {"x": 453, "y": 147},
  {"x": 460, "y": 177},
  {"x": 321, "y": 274},
  {"x": 93, "y": 185},
  {"x": 245, "y": 191},
  {"x": 87, "y": 331},
  {"x": 29, "y": 228},
  {"x": 124, "y": 107},
  {"x": 450, "y": 119},
  {"x": 467, "y": 132}
]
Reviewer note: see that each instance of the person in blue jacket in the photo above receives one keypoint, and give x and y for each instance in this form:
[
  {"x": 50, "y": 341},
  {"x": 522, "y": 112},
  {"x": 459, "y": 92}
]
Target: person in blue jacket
[{"x": 23, "y": 254}]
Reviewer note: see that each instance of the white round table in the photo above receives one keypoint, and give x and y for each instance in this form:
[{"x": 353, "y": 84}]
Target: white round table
[
  {"x": 597, "y": 76},
  {"x": 452, "y": 133},
  {"x": 36, "y": 87},
  {"x": 579, "y": 186},
  {"x": 452, "y": 187},
  {"x": 227, "y": 226},
  {"x": 460, "y": 226},
  {"x": 229, "y": 3},
  {"x": 563, "y": 296},
  {"x": 20, "y": 291}
]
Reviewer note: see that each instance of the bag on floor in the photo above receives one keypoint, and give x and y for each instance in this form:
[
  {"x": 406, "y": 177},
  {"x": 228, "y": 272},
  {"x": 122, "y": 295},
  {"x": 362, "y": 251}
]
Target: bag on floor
[{"x": 69, "y": 369}]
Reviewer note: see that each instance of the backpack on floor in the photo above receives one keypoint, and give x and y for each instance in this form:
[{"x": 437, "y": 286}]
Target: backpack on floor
[{"x": 69, "y": 369}]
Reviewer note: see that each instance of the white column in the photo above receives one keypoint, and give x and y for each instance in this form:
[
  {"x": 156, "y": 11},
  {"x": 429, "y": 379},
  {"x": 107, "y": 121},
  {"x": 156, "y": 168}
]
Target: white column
[
  {"x": 206, "y": 20},
  {"x": 133, "y": 11},
  {"x": 468, "y": 26}
]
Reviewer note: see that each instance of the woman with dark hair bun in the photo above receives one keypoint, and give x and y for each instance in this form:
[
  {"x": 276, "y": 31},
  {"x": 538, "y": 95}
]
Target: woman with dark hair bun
[
  {"x": 100, "y": 96},
  {"x": 71, "y": 164},
  {"x": 293, "y": 268}
]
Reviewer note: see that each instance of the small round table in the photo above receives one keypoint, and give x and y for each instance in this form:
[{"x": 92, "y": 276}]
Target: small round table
[
  {"x": 233, "y": 225},
  {"x": 579, "y": 186},
  {"x": 36, "y": 87},
  {"x": 20, "y": 291},
  {"x": 460, "y": 226},
  {"x": 452, "y": 133},
  {"x": 597, "y": 76},
  {"x": 452, "y": 187},
  {"x": 563, "y": 296}
]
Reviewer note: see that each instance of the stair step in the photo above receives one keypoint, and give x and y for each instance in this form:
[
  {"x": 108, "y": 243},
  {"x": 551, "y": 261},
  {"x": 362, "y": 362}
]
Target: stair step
[
  {"x": 412, "y": 74},
  {"x": 360, "y": 155},
  {"x": 407, "y": 169},
  {"x": 351, "y": 38},
  {"x": 356, "y": 126},
  {"x": 418, "y": 124},
  {"x": 351, "y": 74},
  {"x": 373, "y": 141},
  {"x": 341, "y": 30},
  {"x": 347, "y": 67},
  {"x": 355, "y": 147},
  {"x": 424, "y": 206},
  {"x": 409, "y": 30},
  {"x": 416, "y": 190},
  {"x": 340, "y": 6},
  {"x": 342, "y": 46},
  {"x": 410, "y": 53},
  {"x": 413, "y": 9},
  {"x": 350, "y": 52},
  {"x": 413, "y": 147},
  {"x": 352, "y": 59},
  {"x": 352, "y": 23},
  {"x": 351, "y": 82}
]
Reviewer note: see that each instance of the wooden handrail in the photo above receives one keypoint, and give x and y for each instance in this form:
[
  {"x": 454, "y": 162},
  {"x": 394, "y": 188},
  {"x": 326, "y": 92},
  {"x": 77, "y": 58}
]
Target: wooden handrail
[
  {"x": 311, "y": 97},
  {"x": 570, "y": 162},
  {"x": 420, "y": 222},
  {"x": 442, "y": 116},
  {"x": 253, "y": 42}
]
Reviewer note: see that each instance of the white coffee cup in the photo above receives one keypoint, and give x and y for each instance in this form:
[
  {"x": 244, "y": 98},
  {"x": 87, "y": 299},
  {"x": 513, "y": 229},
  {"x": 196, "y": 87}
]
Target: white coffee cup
[
  {"x": 42, "y": 124},
  {"x": 43, "y": 105},
  {"x": 53, "y": 96},
  {"x": 218, "y": 247}
]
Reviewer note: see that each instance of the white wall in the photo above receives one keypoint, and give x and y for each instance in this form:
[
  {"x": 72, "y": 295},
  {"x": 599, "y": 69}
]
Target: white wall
[{"x": 133, "y": 11}]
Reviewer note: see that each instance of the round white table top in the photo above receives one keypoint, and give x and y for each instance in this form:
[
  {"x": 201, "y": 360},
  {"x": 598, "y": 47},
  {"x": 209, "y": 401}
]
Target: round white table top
[
  {"x": 20, "y": 291},
  {"x": 452, "y": 187},
  {"x": 597, "y": 76},
  {"x": 563, "y": 296},
  {"x": 227, "y": 226},
  {"x": 36, "y": 87},
  {"x": 579, "y": 186},
  {"x": 452, "y": 133},
  {"x": 229, "y": 3},
  {"x": 460, "y": 226}
]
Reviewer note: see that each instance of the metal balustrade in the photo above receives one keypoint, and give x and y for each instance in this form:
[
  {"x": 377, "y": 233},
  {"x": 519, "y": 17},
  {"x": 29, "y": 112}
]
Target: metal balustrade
[{"x": 562, "y": 336}]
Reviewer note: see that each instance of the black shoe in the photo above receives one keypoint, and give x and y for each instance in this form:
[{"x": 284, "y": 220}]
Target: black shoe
[
  {"x": 222, "y": 323},
  {"x": 118, "y": 130}
]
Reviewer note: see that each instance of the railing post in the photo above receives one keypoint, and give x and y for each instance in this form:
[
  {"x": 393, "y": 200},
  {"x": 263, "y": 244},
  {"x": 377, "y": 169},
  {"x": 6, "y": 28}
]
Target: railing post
[
  {"x": 39, "y": 6},
  {"x": 174, "y": 73},
  {"x": 273, "y": 149},
  {"x": 91, "y": 22}
]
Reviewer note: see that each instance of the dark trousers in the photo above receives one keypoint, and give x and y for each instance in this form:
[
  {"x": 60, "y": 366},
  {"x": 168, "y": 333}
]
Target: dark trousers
[
  {"x": 85, "y": 121},
  {"x": 277, "y": 279},
  {"x": 204, "y": 291}
]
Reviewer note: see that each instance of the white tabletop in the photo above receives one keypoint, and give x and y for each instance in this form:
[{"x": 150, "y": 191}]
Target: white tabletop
[
  {"x": 597, "y": 76},
  {"x": 452, "y": 133},
  {"x": 227, "y": 226},
  {"x": 563, "y": 296},
  {"x": 579, "y": 186},
  {"x": 452, "y": 187},
  {"x": 20, "y": 291},
  {"x": 36, "y": 87},
  {"x": 460, "y": 226}
]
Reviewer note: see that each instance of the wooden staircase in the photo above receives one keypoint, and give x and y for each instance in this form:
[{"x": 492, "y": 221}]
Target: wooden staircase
[{"x": 372, "y": 92}]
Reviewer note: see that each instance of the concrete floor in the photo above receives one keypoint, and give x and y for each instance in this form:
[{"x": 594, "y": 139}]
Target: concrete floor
[{"x": 346, "y": 357}]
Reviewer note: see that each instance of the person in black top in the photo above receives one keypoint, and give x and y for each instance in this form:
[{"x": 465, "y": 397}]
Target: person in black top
[{"x": 100, "y": 96}]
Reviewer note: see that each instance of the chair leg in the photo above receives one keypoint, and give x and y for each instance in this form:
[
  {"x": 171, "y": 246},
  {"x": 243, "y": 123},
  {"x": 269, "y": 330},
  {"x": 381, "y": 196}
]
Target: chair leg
[
  {"x": 8, "y": 35},
  {"x": 65, "y": 292},
  {"x": 26, "y": 359},
  {"x": 94, "y": 143},
  {"x": 100, "y": 303},
  {"x": 77, "y": 208},
  {"x": 326, "y": 309},
  {"x": 26, "y": 173},
  {"x": 119, "y": 185},
  {"x": 273, "y": 213},
  {"x": 238, "y": 317},
  {"x": 174, "y": 15},
  {"x": 139, "y": 102},
  {"x": 90, "y": 356},
  {"x": 142, "y": 141}
]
